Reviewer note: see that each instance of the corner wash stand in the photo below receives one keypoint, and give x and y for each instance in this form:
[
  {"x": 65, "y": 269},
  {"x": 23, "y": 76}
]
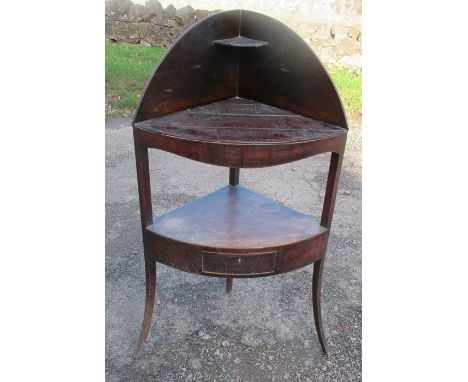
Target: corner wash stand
[{"x": 241, "y": 90}]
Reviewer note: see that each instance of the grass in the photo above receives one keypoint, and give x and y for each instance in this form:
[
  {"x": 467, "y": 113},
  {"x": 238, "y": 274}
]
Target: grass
[
  {"x": 127, "y": 69},
  {"x": 129, "y": 66},
  {"x": 349, "y": 85}
]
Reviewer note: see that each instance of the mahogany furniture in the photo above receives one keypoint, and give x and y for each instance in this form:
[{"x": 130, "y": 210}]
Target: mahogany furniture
[{"x": 241, "y": 90}]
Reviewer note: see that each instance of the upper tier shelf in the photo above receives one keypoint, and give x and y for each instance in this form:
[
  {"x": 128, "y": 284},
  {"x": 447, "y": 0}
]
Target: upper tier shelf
[
  {"x": 241, "y": 121},
  {"x": 240, "y": 42}
]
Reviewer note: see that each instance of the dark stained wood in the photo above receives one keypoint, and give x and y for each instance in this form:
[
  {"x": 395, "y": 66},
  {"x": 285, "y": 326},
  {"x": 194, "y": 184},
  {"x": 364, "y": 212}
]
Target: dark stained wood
[
  {"x": 193, "y": 71},
  {"x": 240, "y": 121},
  {"x": 236, "y": 222},
  {"x": 236, "y": 218},
  {"x": 332, "y": 188},
  {"x": 150, "y": 269},
  {"x": 234, "y": 264},
  {"x": 316, "y": 293},
  {"x": 253, "y": 155},
  {"x": 234, "y": 176},
  {"x": 240, "y": 90},
  {"x": 286, "y": 74},
  {"x": 146, "y": 215},
  {"x": 240, "y": 42},
  {"x": 240, "y": 133},
  {"x": 143, "y": 178},
  {"x": 228, "y": 285},
  {"x": 336, "y": 160},
  {"x": 188, "y": 256}
]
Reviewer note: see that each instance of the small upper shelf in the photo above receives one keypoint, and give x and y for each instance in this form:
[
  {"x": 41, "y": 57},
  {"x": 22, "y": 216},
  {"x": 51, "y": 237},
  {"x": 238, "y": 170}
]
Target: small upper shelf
[{"x": 240, "y": 42}]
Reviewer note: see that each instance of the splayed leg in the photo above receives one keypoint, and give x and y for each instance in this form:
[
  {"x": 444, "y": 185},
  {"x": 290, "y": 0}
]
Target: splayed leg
[
  {"x": 150, "y": 269},
  {"x": 316, "y": 286}
]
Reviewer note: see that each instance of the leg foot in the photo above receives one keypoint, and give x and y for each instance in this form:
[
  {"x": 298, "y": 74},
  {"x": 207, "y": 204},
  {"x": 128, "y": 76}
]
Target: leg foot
[
  {"x": 150, "y": 269},
  {"x": 228, "y": 285},
  {"x": 316, "y": 286}
]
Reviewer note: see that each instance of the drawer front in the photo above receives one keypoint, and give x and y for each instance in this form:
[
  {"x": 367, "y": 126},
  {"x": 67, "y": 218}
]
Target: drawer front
[{"x": 234, "y": 264}]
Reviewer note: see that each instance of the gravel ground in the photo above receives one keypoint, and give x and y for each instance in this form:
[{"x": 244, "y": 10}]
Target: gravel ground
[{"x": 264, "y": 331}]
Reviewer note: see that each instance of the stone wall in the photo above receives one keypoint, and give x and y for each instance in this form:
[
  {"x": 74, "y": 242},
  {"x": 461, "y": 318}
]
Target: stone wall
[{"x": 331, "y": 27}]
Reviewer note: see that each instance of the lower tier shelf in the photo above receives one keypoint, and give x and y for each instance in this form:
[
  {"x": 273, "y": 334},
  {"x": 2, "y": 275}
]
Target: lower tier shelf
[{"x": 236, "y": 232}]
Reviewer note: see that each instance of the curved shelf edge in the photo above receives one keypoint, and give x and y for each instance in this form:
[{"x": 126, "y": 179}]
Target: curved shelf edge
[
  {"x": 193, "y": 259},
  {"x": 240, "y": 155},
  {"x": 238, "y": 132},
  {"x": 240, "y": 42},
  {"x": 238, "y": 233}
]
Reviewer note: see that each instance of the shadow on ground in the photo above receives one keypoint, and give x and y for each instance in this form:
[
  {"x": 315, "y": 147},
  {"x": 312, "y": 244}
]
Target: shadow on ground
[{"x": 265, "y": 330}]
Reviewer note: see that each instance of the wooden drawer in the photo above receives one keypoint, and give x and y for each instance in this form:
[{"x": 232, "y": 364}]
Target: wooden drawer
[{"x": 235, "y": 264}]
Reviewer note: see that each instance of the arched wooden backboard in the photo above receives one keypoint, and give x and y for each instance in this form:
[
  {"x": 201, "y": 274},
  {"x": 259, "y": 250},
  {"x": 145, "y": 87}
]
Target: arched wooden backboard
[
  {"x": 275, "y": 67},
  {"x": 193, "y": 71},
  {"x": 286, "y": 74}
]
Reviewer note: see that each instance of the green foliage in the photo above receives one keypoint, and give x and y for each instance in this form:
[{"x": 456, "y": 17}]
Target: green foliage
[
  {"x": 129, "y": 66},
  {"x": 349, "y": 86},
  {"x": 127, "y": 69}
]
